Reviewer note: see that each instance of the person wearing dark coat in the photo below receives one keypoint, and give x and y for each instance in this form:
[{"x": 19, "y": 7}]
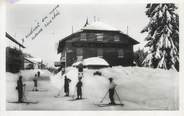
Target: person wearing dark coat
[
  {"x": 35, "y": 81},
  {"x": 79, "y": 89},
  {"x": 38, "y": 73},
  {"x": 112, "y": 86},
  {"x": 66, "y": 85},
  {"x": 80, "y": 70},
  {"x": 20, "y": 89}
]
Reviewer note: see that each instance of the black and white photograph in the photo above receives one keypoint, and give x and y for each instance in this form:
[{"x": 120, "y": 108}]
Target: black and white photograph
[{"x": 92, "y": 57}]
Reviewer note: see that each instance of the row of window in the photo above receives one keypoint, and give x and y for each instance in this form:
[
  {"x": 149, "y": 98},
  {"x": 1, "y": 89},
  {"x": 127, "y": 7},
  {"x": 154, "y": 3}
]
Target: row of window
[
  {"x": 100, "y": 52},
  {"x": 99, "y": 37}
]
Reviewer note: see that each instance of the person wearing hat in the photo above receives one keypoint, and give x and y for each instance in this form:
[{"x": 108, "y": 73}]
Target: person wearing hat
[
  {"x": 80, "y": 70},
  {"x": 112, "y": 87},
  {"x": 35, "y": 81},
  {"x": 19, "y": 88},
  {"x": 79, "y": 88},
  {"x": 38, "y": 73},
  {"x": 66, "y": 85}
]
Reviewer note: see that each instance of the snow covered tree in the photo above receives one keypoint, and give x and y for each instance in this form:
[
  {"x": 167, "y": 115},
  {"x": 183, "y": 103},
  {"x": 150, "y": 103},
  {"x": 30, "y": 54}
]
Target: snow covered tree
[
  {"x": 139, "y": 57},
  {"x": 163, "y": 36}
]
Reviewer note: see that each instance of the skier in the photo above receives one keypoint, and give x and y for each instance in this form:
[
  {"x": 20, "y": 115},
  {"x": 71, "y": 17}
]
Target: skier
[
  {"x": 66, "y": 86},
  {"x": 35, "y": 81},
  {"x": 38, "y": 73},
  {"x": 112, "y": 86},
  {"x": 80, "y": 70},
  {"x": 19, "y": 88},
  {"x": 79, "y": 88}
]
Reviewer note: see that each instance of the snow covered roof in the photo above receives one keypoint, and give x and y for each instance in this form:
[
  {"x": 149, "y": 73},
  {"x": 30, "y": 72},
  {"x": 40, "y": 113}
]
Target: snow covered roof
[
  {"x": 96, "y": 26},
  {"x": 95, "y": 61},
  {"x": 99, "y": 26},
  {"x": 35, "y": 60},
  {"x": 92, "y": 61},
  {"x": 14, "y": 40},
  {"x": 76, "y": 63}
]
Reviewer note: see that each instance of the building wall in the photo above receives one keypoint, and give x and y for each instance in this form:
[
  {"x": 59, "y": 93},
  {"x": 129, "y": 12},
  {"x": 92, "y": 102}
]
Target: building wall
[
  {"x": 111, "y": 55},
  {"x": 114, "y": 52},
  {"x": 14, "y": 60}
]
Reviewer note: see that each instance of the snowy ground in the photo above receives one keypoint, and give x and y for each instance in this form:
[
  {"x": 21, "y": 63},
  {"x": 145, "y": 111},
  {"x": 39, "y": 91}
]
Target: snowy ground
[{"x": 138, "y": 88}]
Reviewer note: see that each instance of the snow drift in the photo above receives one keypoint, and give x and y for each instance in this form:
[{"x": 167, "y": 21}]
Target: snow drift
[
  {"x": 92, "y": 62},
  {"x": 153, "y": 88}
]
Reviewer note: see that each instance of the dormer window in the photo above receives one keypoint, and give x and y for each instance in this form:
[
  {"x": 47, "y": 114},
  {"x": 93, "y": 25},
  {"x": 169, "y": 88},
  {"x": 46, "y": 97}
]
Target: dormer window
[
  {"x": 83, "y": 37},
  {"x": 99, "y": 36},
  {"x": 116, "y": 38}
]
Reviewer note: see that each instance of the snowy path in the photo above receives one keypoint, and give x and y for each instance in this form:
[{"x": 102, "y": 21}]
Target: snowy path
[
  {"x": 151, "y": 90},
  {"x": 47, "y": 101}
]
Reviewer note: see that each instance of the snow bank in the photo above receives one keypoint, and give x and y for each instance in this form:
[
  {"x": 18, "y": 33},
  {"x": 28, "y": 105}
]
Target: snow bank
[
  {"x": 154, "y": 88},
  {"x": 29, "y": 74},
  {"x": 58, "y": 80},
  {"x": 95, "y": 61},
  {"x": 138, "y": 88},
  {"x": 11, "y": 79}
]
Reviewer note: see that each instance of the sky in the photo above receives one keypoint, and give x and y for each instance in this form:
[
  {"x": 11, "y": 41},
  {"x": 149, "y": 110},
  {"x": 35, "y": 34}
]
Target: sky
[{"x": 22, "y": 18}]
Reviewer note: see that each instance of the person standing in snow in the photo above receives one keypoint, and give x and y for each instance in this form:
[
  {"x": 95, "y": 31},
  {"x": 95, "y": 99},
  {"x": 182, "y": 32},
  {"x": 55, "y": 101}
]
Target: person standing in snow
[
  {"x": 112, "y": 87},
  {"x": 19, "y": 88},
  {"x": 38, "y": 73},
  {"x": 80, "y": 70},
  {"x": 35, "y": 81},
  {"x": 79, "y": 89},
  {"x": 62, "y": 71},
  {"x": 66, "y": 85}
]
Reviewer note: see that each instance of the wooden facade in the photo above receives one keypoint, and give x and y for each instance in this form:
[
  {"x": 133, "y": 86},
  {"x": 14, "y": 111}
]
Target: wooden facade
[
  {"x": 114, "y": 46},
  {"x": 14, "y": 56}
]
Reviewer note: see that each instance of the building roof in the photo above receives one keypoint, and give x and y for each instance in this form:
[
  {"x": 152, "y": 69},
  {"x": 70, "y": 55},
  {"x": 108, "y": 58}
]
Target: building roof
[
  {"x": 28, "y": 60},
  {"x": 96, "y": 26},
  {"x": 99, "y": 26},
  {"x": 14, "y": 40},
  {"x": 34, "y": 60}
]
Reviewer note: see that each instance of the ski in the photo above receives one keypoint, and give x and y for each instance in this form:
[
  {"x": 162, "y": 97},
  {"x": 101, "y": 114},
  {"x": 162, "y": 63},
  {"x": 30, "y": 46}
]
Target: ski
[
  {"x": 77, "y": 99},
  {"x": 106, "y": 105},
  {"x": 61, "y": 96},
  {"x": 24, "y": 102}
]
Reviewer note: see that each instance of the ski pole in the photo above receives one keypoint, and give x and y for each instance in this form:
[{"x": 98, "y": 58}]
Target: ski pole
[
  {"x": 104, "y": 96},
  {"x": 118, "y": 97}
]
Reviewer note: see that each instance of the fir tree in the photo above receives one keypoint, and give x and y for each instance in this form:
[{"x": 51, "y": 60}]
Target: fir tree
[
  {"x": 163, "y": 36},
  {"x": 139, "y": 57}
]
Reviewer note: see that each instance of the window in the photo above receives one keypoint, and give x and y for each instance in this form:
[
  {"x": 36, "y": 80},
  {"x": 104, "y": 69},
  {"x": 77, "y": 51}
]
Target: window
[
  {"x": 100, "y": 52},
  {"x": 120, "y": 53},
  {"x": 79, "y": 52},
  {"x": 79, "y": 58},
  {"x": 116, "y": 38},
  {"x": 83, "y": 37},
  {"x": 99, "y": 36}
]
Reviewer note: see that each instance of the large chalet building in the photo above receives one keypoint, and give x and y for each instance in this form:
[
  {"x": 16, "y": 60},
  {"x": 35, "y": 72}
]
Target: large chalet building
[{"x": 97, "y": 40}]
